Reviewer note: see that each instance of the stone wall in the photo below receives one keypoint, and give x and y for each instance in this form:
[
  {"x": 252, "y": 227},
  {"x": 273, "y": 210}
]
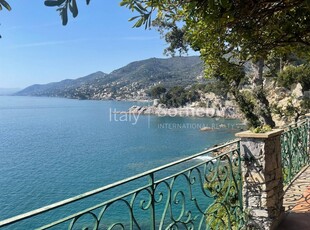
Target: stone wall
[{"x": 262, "y": 178}]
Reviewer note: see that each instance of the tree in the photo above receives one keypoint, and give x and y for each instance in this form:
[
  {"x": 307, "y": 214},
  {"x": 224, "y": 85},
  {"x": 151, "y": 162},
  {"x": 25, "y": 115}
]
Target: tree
[
  {"x": 158, "y": 91},
  {"x": 175, "y": 97},
  {"x": 229, "y": 34},
  {"x": 295, "y": 106}
]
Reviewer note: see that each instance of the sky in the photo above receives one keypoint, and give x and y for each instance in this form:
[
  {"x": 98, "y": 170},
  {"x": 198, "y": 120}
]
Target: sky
[{"x": 35, "y": 48}]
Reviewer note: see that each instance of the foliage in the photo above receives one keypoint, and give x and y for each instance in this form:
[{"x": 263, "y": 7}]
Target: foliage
[
  {"x": 4, "y": 4},
  {"x": 63, "y": 6},
  {"x": 295, "y": 74},
  {"x": 217, "y": 87},
  {"x": 213, "y": 86},
  {"x": 174, "y": 36},
  {"x": 247, "y": 107},
  {"x": 247, "y": 29},
  {"x": 219, "y": 215},
  {"x": 305, "y": 105},
  {"x": 276, "y": 63},
  {"x": 244, "y": 29},
  {"x": 232, "y": 77},
  {"x": 199, "y": 87},
  {"x": 293, "y": 109},
  {"x": 226, "y": 31},
  {"x": 177, "y": 96},
  {"x": 157, "y": 91},
  {"x": 261, "y": 129},
  {"x": 295, "y": 71}
]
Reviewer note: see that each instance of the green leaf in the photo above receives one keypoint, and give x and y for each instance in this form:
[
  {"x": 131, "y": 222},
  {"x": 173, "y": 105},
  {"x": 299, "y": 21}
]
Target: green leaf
[
  {"x": 140, "y": 7},
  {"x": 211, "y": 4},
  {"x": 73, "y": 8},
  {"x": 225, "y": 4},
  {"x": 64, "y": 16},
  {"x": 53, "y": 3},
  {"x": 150, "y": 21},
  {"x": 123, "y": 3},
  {"x": 5, "y": 4},
  {"x": 138, "y": 23},
  {"x": 139, "y": 10},
  {"x": 133, "y": 18}
]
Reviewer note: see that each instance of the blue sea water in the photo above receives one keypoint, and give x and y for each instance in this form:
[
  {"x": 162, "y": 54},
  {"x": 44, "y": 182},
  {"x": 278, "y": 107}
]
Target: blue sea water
[{"x": 52, "y": 149}]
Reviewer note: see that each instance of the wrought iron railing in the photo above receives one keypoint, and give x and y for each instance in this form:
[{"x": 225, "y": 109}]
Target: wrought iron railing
[
  {"x": 202, "y": 191},
  {"x": 294, "y": 149}
]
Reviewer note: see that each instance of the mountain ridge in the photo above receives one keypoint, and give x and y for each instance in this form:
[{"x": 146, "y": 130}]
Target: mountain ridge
[{"x": 129, "y": 82}]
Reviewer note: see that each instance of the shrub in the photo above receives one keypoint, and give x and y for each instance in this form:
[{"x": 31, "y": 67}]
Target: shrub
[{"x": 295, "y": 74}]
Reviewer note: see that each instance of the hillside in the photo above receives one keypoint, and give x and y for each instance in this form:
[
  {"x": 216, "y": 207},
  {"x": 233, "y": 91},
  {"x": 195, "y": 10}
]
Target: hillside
[
  {"x": 65, "y": 88},
  {"x": 129, "y": 82}
]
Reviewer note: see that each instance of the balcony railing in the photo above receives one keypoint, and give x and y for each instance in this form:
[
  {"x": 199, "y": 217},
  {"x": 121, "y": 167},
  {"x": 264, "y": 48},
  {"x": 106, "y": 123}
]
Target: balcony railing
[
  {"x": 294, "y": 150},
  {"x": 202, "y": 191}
]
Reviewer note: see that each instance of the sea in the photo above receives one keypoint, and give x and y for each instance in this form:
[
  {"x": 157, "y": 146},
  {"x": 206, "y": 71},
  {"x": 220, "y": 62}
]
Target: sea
[{"x": 52, "y": 149}]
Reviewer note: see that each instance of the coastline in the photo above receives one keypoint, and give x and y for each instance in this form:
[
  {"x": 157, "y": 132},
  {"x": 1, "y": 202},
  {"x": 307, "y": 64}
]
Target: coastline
[
  {"x": 188, "y": 111},
  {"x": 227, "y": 112}
]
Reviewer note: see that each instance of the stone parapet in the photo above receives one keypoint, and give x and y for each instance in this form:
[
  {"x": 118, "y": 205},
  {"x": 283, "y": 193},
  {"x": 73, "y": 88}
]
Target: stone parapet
[{"x": 262, "y": 178}]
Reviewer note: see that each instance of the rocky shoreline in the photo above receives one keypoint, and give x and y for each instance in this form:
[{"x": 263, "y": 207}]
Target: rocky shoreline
[{"x": 160, "y": 110}]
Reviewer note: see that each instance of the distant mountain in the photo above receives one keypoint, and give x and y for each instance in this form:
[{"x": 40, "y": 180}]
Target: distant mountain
[
  {"x": 60, "y": 89},
  {"x": 129, "y": 82},
  {"x": 8, "y": 91}
]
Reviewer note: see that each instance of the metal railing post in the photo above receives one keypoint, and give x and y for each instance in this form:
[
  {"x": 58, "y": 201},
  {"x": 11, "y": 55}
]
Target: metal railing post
[
  {"x": 308, "y": 136},
  {"x": 240, "y": 171},
  {"x": 153, "y": 217}
]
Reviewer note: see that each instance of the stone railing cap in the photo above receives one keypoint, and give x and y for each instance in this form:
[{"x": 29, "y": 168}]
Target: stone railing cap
[{"x": 249, "y": 134}]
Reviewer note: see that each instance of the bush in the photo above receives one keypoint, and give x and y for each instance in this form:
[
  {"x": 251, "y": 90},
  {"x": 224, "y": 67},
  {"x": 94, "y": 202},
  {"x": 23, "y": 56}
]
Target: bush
[
  {"x": 177, "y": 96},
  {"x": 217, "y": 87},
  {"x": 157, "y": 91},
  {"x": 295, "y": 74},
  {"x": 225, "y": 210},
  {"x": 305, "y": 105}
]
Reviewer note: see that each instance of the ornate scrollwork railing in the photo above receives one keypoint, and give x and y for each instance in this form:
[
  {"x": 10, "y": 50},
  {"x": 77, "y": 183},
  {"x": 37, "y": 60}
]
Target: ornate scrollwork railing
[
  {"x": 294, "y": 149},
  {"x": 197, "y": 192}
]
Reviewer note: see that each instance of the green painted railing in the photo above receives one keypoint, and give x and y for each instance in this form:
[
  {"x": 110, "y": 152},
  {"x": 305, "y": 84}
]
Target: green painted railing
[
  {"x": 197, "y": 192},
  {"x": 294, "y": 149}
]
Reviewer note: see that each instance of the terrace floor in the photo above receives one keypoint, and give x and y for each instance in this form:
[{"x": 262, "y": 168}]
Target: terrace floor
[{"x": 297, "y": 204}]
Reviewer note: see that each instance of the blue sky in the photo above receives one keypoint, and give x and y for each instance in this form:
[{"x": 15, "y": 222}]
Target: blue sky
[{"x": 36, "y": 48}]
